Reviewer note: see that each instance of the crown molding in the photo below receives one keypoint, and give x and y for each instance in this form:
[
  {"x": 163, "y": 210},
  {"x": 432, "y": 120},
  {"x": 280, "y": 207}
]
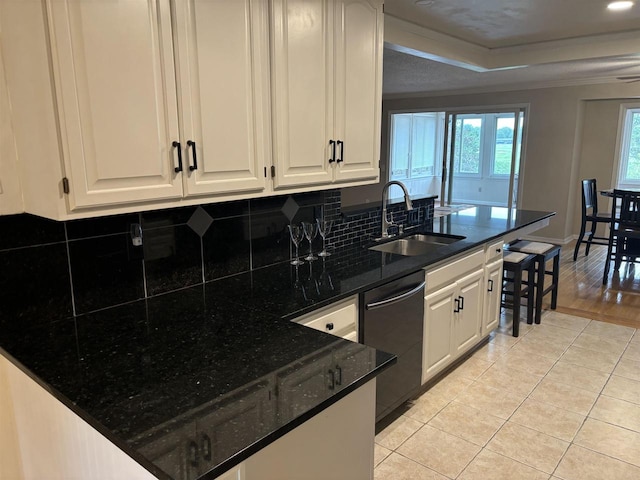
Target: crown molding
[{"x": 511, "y": 87}]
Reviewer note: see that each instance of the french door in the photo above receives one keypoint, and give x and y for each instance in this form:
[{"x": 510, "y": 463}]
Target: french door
[{"x": 481, "y": 157}]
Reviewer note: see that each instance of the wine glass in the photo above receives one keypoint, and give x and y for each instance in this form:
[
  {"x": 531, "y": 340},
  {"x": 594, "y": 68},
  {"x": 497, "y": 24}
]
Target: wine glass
[
  {"x": 324, "y": 227},
  {"x": 296, "y": 232},
  {"x": 310, "y": 231}
]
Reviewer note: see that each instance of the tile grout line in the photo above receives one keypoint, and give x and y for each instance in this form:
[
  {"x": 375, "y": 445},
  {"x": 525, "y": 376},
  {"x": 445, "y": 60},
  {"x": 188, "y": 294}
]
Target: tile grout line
[
  {"x": 528, "y": 396},
  {"x": 591, "y": 409},
  {"x": 515, "y": 410}
]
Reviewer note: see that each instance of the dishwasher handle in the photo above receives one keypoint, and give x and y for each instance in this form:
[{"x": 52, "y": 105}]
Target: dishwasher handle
[{"x": 392, "y": 300}]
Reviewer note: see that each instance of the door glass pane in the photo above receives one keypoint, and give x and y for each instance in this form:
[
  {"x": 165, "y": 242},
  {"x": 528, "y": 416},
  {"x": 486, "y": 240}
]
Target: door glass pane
[
  {"x": 503, "y": 146},
  {"x": 423, "y": 145},
  {"x": 467, "y": 144},
  {"x": 400, "y": 145}
]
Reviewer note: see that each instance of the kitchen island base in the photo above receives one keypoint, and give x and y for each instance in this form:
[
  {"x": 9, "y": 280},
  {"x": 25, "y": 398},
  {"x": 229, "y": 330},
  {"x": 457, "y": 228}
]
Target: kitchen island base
[{"x": 50, "y": 441}]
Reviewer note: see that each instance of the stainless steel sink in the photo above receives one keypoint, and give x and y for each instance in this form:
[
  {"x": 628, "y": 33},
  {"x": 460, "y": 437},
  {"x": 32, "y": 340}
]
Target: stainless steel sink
[
  {"x": 418, "y": 244},
  {"x": 435, "y": 239}
]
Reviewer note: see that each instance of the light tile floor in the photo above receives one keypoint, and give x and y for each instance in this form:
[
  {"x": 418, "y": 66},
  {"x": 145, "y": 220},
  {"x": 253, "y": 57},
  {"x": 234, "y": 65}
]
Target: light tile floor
[{"x": 562, "y": 401}]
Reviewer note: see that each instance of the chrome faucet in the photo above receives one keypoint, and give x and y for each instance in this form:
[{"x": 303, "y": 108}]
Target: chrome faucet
[{"x": 385, "y": 223}]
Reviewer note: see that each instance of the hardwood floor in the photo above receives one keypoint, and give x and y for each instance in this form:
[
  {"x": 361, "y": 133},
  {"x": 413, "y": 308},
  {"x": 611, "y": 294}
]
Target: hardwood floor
[{"x": 581, "y": 291}]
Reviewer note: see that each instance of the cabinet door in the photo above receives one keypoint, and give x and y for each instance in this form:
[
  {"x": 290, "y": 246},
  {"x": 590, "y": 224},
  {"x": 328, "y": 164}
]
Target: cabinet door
[
  {"x": 233, "y": 424},
  {"x": 438, "y": 321},
  {"x": 493, "y": 283},
  {"x": 307, "y": 380},
  {"x": 223, "y": 67},
  {"x": 358, "y": 96},
  {"x": 10, "y": 190},
  {"x": 115, "y": 85},
  {"x": 351, "y": 362},
  {"x": 176, "y": 453},
  {"x": 302, "y": 80},
  {"x": 466, "y": 331}
]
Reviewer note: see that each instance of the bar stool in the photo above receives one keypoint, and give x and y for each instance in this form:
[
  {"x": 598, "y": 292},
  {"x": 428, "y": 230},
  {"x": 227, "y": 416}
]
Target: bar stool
[
  {"x": 513, "y": 266},
  {"x": 543, "y": 252}
]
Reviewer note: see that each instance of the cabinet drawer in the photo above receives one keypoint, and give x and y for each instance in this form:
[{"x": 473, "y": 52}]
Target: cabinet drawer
[
  {"x": 454, "y": 269},
  {"x": 494, "y": 250},
  {"x": 339, "y": 319}
]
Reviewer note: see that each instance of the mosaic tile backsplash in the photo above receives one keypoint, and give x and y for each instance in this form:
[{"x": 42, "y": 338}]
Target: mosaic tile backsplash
[{"x": 56, "y": 269}]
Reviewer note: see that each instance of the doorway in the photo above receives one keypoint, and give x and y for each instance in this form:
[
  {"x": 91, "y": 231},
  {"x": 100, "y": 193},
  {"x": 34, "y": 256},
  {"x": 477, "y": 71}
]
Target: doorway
[{"x": 463, "y": 157}]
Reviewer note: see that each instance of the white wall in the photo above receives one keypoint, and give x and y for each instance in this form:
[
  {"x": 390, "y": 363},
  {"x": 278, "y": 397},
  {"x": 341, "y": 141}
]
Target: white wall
[
  {"x": 554, "y": 144},
  {"x": 598, "y": 149}
]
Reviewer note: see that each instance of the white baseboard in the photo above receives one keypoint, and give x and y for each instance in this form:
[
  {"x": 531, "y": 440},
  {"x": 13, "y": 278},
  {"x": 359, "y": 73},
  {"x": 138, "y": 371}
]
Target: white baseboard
[{"x": 557, "y": 241}]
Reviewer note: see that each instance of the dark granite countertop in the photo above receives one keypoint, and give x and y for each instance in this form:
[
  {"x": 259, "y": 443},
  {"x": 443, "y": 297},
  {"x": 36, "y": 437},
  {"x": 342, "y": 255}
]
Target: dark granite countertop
[{"x": 148, "y": 371}]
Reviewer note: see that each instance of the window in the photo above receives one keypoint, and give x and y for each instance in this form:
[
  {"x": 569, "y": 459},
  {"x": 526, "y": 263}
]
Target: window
[
  {"x": 503, "y": 144},
  {"x": 416, "y": 142},
  {"x": 468, "y": 144},
  {"x": 484, "y": 142},
  {"x": 629, "y": 174}
]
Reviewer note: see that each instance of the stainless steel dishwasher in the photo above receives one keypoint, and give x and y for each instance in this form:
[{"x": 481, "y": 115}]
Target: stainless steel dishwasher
[{"x": 392, "y": 321}]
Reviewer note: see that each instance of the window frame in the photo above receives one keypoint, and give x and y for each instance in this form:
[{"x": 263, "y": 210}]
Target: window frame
[
  {"x": 437, "y": 150},
  {"x": 626, "y": 119},
  {"x": 483, "y": 130},
  {"x": 519, "y": 121}
]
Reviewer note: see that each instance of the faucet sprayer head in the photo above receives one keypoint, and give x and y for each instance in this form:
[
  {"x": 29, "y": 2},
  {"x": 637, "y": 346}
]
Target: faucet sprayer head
[{"x": 408, "y": 204}]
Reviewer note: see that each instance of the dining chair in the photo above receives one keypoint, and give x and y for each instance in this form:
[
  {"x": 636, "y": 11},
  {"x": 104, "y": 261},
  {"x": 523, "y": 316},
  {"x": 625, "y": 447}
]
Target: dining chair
[
  {"x": 590, "y": 214},
  {"x": 624, "y": 236}
]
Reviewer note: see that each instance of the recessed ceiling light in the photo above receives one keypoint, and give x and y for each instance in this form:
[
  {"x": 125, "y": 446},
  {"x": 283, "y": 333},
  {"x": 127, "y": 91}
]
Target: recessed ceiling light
[
  {"x": 620, "y": 5},
  {"x": 424, "y": 3}
]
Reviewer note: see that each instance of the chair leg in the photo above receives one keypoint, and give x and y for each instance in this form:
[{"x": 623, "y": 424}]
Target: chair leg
[
  {"x": 593, "y": 232},
  {"x": 579, "y": 241},
  {"x": 556, "y": 278},
  {"x": 607, "y": 263},
  {"x": 618, "y": 256}
]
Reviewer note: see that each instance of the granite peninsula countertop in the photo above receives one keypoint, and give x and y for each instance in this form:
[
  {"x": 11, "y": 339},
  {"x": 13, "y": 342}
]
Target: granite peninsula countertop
[{"x": 143, "y": 371}]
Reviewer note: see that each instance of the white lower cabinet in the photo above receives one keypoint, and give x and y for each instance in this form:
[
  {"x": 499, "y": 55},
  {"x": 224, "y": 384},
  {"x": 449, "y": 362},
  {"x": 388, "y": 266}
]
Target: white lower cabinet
[
  {"x": 438, "y": 338},
  {"x": 339, "y": 319},
  {"x": 468, "y": 312},
  {"x": 459, "y": 308},
  {"x": 452, "y": 322},
  {"x": 493, "y": 292},
  {"x": 336, "y": 444}
]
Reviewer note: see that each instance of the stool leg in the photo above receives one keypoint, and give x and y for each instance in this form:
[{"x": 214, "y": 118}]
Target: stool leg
[
  {"x": 531, "y": 296},
  {"x": 517, "y": 291},
  {"x": 540, "y": 263},
  {"x": 556, "y": 276}
]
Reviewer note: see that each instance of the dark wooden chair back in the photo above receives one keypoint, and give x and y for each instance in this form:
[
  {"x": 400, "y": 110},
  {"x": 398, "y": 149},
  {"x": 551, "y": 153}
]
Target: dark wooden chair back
[
  {"x": 629, "y": 214},
  {"x": 589, "y": 197}
]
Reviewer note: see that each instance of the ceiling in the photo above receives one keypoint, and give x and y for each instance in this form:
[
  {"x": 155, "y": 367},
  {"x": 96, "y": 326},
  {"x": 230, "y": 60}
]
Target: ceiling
[{"x": 449, "y": 45}]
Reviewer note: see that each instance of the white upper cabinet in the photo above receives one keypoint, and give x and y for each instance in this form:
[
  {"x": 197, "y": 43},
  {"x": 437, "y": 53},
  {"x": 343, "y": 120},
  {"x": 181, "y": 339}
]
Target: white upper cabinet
[
  {"x": 135, "y": 105},
  {"x": 223, "y": 72},
  {"x": 115, "y": 85},
  {"x": 358, "y": 89},
  {"x": 10, "y": 191},
  {"x": 302, "y": 76},
  {"x": 326, "y": 76}
]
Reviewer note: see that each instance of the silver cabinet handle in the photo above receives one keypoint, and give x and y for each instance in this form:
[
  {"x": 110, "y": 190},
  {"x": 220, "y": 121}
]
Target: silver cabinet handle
[{"x": 392, "y": 300}]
